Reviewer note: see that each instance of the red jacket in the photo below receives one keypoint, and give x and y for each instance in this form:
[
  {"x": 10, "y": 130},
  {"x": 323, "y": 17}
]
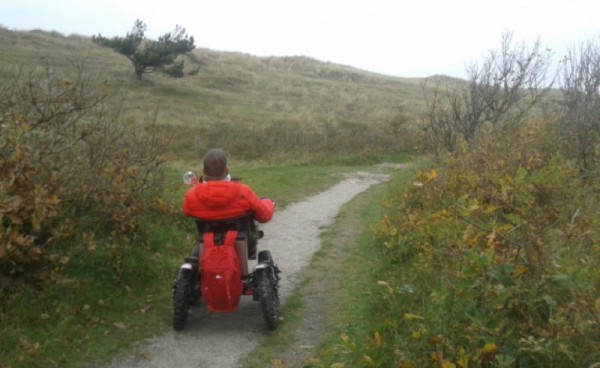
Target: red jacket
[{"x": 219, "y": 200}]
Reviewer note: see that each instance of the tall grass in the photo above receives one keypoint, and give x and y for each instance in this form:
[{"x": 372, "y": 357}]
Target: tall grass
[{"x": 252, "y": 106}]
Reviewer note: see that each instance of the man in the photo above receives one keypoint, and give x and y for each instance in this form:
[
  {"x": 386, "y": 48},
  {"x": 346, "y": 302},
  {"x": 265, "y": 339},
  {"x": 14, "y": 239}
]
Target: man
[{"x": 216, "y": 197}]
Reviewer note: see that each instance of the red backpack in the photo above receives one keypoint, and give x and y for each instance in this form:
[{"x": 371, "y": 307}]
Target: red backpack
[{"x": 221, "y": 276}]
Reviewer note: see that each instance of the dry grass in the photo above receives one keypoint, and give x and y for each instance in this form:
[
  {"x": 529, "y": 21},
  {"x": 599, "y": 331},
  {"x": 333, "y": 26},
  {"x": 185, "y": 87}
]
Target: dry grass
[{"x": 302, "y": 99}]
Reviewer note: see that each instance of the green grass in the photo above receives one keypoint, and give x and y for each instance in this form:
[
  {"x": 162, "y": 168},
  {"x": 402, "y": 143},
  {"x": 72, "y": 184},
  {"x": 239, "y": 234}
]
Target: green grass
[
  {"x": 284, "y": 182},
  {"x": 101, "y": 305},
  {"x": 88, "y": 316}
]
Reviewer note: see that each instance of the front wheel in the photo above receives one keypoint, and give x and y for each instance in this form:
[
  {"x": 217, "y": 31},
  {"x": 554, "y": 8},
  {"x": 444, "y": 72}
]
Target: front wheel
[
  {"x": 269, "y": 300},
  {"x": 182, "y": 299}
]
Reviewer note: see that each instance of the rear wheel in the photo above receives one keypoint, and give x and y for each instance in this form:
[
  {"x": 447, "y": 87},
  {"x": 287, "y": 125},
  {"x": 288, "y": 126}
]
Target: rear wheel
[
  {"x": 269, "y": 300},
  {"x": 182, "y": 299}
]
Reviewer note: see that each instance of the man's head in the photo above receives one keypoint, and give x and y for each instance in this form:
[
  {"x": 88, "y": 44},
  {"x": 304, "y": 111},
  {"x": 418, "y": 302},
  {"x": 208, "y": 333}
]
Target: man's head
[{"x": 215, "y": 164}]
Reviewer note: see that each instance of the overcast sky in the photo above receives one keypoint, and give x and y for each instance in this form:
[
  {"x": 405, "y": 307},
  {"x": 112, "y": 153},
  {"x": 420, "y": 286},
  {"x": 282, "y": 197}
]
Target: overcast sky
[{"x": 414, "y": 38}]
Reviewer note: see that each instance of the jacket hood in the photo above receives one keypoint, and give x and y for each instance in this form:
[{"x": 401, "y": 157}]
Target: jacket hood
[{"x": 216, "y": 194}]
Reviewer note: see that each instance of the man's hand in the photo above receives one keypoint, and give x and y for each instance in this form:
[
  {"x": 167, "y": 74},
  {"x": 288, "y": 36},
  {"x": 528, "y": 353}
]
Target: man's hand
[{"x": 269, "y": 200}]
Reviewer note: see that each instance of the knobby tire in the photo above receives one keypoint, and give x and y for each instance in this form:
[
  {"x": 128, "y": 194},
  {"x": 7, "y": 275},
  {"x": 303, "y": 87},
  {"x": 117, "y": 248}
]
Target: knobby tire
[
  {"x": 181, "y": 302},
  {"x": 268, "y": 299}
]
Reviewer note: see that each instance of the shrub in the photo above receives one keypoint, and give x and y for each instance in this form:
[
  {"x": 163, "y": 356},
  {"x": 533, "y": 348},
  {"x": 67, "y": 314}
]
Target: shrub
[
  {"x": 501, "y": 93},
  {"x": 499, "y": 246},
  {"x": 580, "y": 86},
  {"x": 68, "y": 161}
]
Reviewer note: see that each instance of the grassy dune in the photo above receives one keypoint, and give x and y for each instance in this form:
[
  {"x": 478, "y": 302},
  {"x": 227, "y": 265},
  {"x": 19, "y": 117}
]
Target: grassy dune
[{"x": 298, "y": 102}]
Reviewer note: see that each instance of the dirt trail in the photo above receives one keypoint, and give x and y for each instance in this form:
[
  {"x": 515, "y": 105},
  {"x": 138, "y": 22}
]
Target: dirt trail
[{"x": 222, "y": 340}]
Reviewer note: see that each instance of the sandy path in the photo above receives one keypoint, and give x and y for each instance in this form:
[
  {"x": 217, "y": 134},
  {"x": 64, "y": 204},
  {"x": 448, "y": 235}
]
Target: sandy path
[{"x": 222, "y": 340}]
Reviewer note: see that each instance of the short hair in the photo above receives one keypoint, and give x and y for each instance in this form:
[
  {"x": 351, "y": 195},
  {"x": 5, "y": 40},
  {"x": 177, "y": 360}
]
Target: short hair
[{"x": 215, "y": 163}]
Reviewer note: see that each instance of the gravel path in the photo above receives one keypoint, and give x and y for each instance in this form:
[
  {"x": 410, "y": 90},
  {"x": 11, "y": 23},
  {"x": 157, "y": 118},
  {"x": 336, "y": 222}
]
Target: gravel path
[{"x": 222, "y": 340}]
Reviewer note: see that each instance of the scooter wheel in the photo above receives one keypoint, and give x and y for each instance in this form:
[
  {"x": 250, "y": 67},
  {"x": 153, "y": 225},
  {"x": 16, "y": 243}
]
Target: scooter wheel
[
  {"x": 269, "y": 299},
  {"x": 181, "y": 301}
]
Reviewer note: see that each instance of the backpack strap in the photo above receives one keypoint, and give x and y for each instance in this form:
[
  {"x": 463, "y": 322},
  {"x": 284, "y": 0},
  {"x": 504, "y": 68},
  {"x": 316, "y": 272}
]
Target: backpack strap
[
  {"x": 230, "y": 237},
  {"x": 209, "y": 240}
]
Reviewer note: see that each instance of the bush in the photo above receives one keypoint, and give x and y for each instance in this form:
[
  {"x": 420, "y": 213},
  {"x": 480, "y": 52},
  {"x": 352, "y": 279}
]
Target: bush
[
  {"x": 498, "y": 247},
  {"x": 68, "y": 161},
  {"x": 580, "y": 86},
  {"x": 501, "y": 93}
]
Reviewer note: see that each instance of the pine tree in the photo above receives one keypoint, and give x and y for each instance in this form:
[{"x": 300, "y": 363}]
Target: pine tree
[{"x": 149, "y": 55}]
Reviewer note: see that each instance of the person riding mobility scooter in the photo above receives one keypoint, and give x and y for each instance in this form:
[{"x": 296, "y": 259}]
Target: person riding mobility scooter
[{"x": 225, "y": 212}]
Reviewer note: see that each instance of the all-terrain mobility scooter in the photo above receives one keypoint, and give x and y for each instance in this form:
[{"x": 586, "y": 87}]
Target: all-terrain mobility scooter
[{"x": 221, "y": 275}]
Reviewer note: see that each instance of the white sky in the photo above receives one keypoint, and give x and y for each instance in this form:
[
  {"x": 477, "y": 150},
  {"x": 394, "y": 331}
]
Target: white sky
[{"x": 413, "y": 38}]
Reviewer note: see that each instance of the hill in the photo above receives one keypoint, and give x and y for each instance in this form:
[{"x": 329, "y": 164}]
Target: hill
[{"x": 302, "y": 99}]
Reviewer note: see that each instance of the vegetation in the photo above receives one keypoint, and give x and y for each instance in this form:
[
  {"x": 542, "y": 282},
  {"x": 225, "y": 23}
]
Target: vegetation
[
  {"x": 148, "y": 55},
  {"x": 339, "y": 288},
  {"x": 491, "y": 253},
  {"x": 487, "y": 256},
  {"x": 121, "y": 239},
  {"x": 69, "y": 164},
  {"x": 295, "y": 106},
  {"x": 499, "y": 249},
  {"x": 581, "y": 123},
  {"x": 501, "y": 93},
  {"x": 91, "y": 313}
]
